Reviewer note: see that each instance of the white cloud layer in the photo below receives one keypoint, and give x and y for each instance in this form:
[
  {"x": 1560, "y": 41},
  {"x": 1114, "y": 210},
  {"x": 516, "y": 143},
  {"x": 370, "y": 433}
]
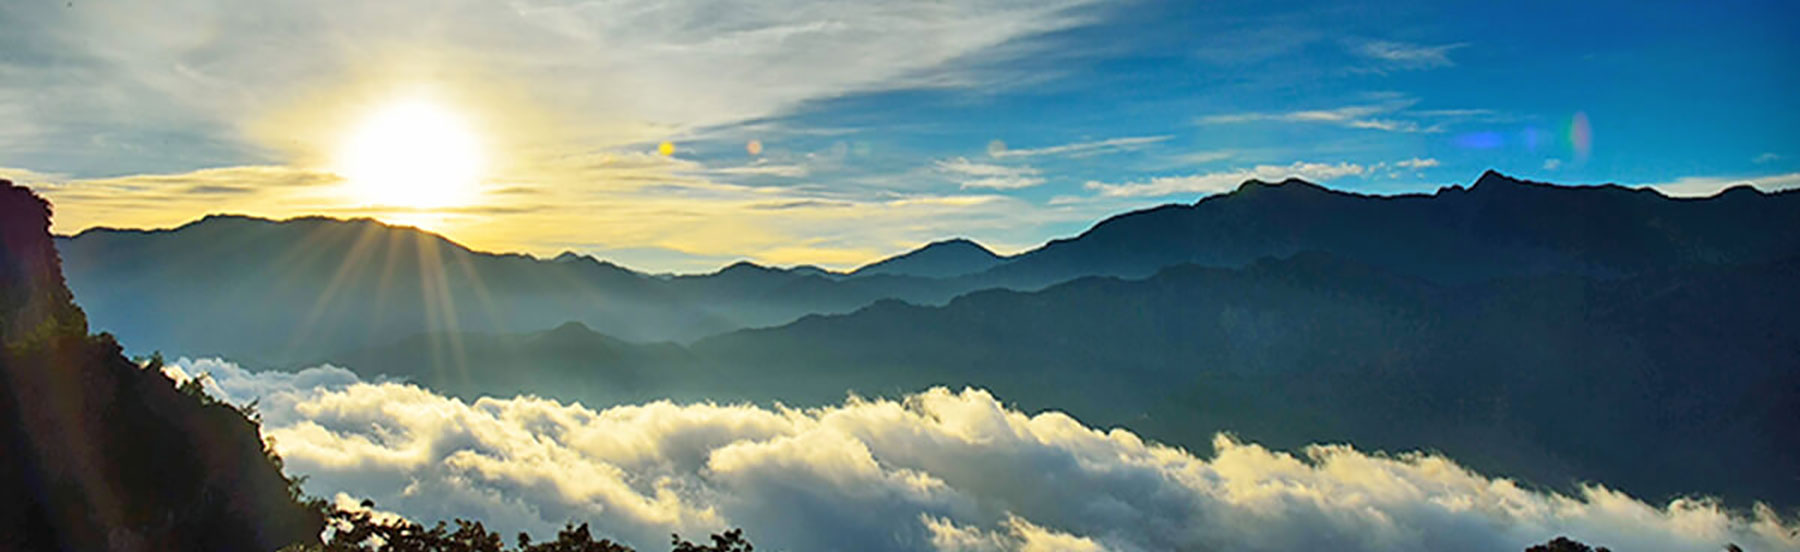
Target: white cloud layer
[
  {"x": 1225, "y": 181},
  {"x": 1701, "y": 186},
  {"x": 938, "y": 470}
]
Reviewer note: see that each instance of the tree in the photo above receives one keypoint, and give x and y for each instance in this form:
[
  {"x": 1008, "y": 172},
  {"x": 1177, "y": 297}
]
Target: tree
[
  {"x": 1565, "y": 544},
  {"x": 359, "y": 531}
]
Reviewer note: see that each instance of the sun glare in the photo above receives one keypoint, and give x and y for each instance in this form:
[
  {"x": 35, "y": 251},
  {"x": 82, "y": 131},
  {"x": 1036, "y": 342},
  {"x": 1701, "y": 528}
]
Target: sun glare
[{"x": 412, "y": 153}]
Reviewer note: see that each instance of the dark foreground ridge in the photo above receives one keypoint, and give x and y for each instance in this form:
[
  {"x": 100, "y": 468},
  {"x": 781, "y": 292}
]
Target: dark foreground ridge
[{"x": 97, "y": 453}]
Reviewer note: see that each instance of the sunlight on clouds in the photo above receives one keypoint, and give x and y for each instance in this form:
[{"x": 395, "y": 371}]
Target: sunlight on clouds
[
  {"x": 166, "y": 200},
  {"x": 633, "y": 200},
  {"x": 544, "y": 87},
  {"x": 936, "y": 470},
  {"x": 578, "y": 76}
]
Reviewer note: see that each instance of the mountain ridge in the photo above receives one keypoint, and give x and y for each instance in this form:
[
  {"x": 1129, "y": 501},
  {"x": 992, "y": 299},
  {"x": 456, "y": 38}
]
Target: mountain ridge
[
  {"x": 946, "y": 258},
  {"x": 341, "y": 276},
  {"x": 102, "y": 453},
  {"x": 1554, "y": 379}
]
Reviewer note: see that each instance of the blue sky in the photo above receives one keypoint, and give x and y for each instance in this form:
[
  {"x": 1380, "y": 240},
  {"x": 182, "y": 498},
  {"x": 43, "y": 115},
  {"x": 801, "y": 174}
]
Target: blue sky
[{"x": 880, "y": 126}]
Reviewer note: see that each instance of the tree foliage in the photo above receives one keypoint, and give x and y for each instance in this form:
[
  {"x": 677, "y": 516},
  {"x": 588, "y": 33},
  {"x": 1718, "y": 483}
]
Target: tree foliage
[
  {"x": 361, "y": 531},
  {"x": 1565, "y": 544}
]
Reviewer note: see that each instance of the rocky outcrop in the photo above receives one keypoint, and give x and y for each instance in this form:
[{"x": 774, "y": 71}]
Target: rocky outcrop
[{"x": 99, "y": 453}]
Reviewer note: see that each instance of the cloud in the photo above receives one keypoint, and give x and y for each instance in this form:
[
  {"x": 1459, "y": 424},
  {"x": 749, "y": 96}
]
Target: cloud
[
  {"x": 223, "y": 85},
  {"x": 999, "y": 149},
  {"x": 1225, "y": 181},
  {"x": 649, "y": 205},
  {"x": 989, "y": 176},
  {"x": 1766, "y": 157},
  {"x": 787, "y": 171},
  {"x": 1402, "y": 55},
  {"x": 1552, "y": 164},
  {"x": 935, "y": 470},
  {"x": 1417, "y": 163},
  {"x": 1353, "y": 116},
  {"x": 1700, "y": 186}
]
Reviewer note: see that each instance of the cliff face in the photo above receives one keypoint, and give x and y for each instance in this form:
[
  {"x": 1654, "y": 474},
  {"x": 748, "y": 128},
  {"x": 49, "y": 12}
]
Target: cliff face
[
  {"x": 97, "y": 453},
  {"x": 33, "y": 298}
]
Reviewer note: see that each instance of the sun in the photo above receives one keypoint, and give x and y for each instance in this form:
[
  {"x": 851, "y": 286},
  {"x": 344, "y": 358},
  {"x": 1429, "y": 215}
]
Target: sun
[{"x": 412, "y": 153}]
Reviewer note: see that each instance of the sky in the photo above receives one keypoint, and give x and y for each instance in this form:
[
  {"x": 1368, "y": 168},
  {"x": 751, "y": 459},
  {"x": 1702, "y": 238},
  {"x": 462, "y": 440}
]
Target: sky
[{"x": 685, "y": 135}]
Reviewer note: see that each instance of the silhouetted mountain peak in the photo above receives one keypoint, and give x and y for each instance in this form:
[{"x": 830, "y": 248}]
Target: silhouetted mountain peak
[
  {"x": 1284, "y": 187},
  {"x": 572, "y": 329},
  {"x": 1288, "y": 185},
  {"x": 810, "y": 270},
  {"x": 940, "y": 259},
  {"x": 1491, "y": 181},
  {"x": 1742, "y": 190},
  {"x": 746, "y": 267},
  {"x": 958, "y": 243}
]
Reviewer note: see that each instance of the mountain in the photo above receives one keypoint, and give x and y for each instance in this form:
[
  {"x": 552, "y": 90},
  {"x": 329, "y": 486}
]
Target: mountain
[
  {"x": 570, "y": 360},
  {"x": 98, "y": 453},
  {"x": 1499, "y": 226},
  {"x": 285, "y": 291},
  {"x": 1681, "y": 380},
  {"x": 940, "y": 259}
]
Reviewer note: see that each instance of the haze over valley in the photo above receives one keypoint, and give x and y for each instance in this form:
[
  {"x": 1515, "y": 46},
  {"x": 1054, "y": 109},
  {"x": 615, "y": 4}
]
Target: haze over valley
[{"x": 866, "y": 275}]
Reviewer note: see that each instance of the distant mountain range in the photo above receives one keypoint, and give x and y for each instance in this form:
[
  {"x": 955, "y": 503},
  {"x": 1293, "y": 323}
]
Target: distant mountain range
[
  {"x": 1499, "y": 226},
  {"x": 1683, "y": 380},
  {"x": 1557, "y": 333},
  {"x": 282, "y": 291}
]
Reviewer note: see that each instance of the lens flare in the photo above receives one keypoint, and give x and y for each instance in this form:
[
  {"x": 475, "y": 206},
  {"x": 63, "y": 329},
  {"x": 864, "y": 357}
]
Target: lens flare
[
  {"x": 412, "y": 153},
  {"x": 753, "y": 147},
  {"x": 1533, "y": 138},
  {"x": 1581, "y": 136},
  {"x": 1480, "y": 140}
]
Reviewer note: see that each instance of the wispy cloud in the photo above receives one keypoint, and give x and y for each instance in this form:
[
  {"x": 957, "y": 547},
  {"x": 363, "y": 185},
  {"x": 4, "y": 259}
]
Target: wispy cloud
[
  {"x": 1402, "y": 55},
  {"x": 990, "y": 176},
  {"x": 1388, "y": 112},
  {"x": 640, "y": 202},
  {"x": 1768, "y": 157},
  {"x": 788, "y": 171},
  {"x": 1224, "y": 181},
  {"x": 1367, "y": 116},
  {"x": 1000, "y": 149},
  {"x": 1417, "y": 163},
  {"x": 537, "y": 76}
]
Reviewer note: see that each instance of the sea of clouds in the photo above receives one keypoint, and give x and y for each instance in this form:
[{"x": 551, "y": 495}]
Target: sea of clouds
[{"x": 937, "y": 470}]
